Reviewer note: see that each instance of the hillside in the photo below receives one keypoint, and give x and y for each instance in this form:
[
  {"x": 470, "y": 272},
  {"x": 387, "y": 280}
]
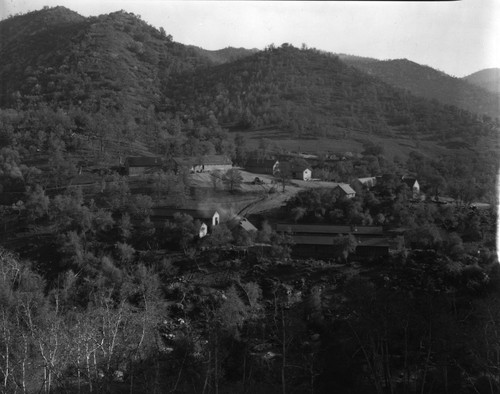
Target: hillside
[
  {"x": 488, "y": 79},
  {"x": 84, "y": 92},
  {"x": 427, "y": 82},
  {"x": 112, "y": 62},
  {"x": 123, "y": 69},
  {"x": 306, "y": 93},
  {"x": 109, "y": 284}
]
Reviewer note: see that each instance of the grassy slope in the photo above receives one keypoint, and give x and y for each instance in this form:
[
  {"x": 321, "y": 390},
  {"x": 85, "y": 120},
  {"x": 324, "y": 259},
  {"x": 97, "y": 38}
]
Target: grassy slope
[{"x": 400, "y": 147}]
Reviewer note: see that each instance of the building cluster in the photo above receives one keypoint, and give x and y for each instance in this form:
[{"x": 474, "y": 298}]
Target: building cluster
[
  {"x": 313, "y": 240},
  {"x": 142, "y": 165},
  {"x": 309, "y": 240},
  {"x": 278, "y": 168}
]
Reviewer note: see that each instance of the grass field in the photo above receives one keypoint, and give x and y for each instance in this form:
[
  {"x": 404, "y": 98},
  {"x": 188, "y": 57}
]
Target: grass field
[
  {"x": 250, "y": 198},
  {"x": 393, "y": 146}
]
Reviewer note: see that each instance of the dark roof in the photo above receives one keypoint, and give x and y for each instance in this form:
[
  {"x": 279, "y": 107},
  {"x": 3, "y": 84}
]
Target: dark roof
[
  {"x": 168, "y": 212},
  {"x": 330, "y": 240},
  {"x": 204, "y": 160},
  {"x": 312, "y": 240},
  {"x": 260, "y": 163},
  {"x": 143, "y": 161},
  {"x": 328, "y": 229},
  {"x": 368, "y": 230},
  {"x": 373, "y": 242},
  {"x": 410, "y": 181},
  {"x": 292, "y": 167},
  {"x": 312, "y": 228},
  {"x": 185, "y": 161}
]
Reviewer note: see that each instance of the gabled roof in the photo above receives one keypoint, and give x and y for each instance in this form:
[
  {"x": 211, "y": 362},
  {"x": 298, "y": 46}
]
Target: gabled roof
[
  {"x": 143, "y": 161},
  {"x": 292, "y": 167},
  {"x": 410, "y": 181},
  {"x": 246, "y": 225},
  {"x": 238, "y": 221},
  {"x": 260, "y": 163},
  {"x": 168, "y": 212},
  {"x": 346, "y": 188}
]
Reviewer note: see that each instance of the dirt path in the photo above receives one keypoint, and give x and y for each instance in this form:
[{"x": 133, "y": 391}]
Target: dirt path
[{"x": 268, "y": 195}]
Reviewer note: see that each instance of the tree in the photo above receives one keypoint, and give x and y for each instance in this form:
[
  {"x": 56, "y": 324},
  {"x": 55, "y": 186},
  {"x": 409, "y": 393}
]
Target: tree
[
  {"x": 346, "y": 244},
  {"x": 298, "y": 213},
  {"x": 221, "y": 236},
  {"x": 232, "y": 179},
  {"x": 284, "y": 175},
  {"x": 241, "y": 149},
  {"x": 264, "y": 146},
  {"x": 183, "y": 231},
  {"x": 281, "y": 246},
  {"x": 116, "y": 193},
  {"x": 37, "y": 204},
  {"x": 216, "y": 177},
  {"x": 168, "y": 186},
  {"x": 62, "y": 168},
  {"x": 140, "y": 206}
]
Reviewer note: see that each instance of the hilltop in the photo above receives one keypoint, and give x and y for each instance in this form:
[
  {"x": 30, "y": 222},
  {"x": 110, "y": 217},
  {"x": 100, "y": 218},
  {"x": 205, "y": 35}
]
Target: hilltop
[
  {"x": 225, "y": 55},
  {"x": 114, "y": 62},
  {"x": 424, "y": 81},
  {"x": 488, "y": 79}
]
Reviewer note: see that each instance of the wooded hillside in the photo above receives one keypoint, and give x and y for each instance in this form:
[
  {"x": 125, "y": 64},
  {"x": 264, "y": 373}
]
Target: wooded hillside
[{"x": 424, "y": 81}]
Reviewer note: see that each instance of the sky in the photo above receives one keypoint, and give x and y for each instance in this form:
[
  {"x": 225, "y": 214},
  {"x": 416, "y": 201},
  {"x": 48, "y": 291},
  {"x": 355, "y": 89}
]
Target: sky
[{"x": 457, "y": 37}]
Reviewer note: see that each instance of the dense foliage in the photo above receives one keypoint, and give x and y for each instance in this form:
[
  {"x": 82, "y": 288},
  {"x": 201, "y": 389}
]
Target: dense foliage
[
  {"x": 99, "y": 297},
  {"x": 309, "y": 93},
  {"x": 427, "y": 82},
  {"x": 112, "y": 62}
]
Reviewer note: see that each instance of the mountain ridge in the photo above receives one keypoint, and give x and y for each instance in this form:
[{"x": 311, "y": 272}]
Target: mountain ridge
[
  {"x": 488, "y": 79},
  {"x": 309, "y": 92},
  {"x": 224, "y": 55},
  {"x": 430, "y": 83},
  {"x": 118, "y": 66},
  {"x": 105, "y": 61}
]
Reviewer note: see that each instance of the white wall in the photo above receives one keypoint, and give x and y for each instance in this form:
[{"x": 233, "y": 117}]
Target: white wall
[
  {"x": 203, "y": 230},
  {"x": 215, "y": 219}
]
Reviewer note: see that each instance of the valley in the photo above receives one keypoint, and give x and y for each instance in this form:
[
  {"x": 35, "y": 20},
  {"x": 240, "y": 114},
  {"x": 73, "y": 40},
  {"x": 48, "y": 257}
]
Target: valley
[{"x": 179, "y": 220}]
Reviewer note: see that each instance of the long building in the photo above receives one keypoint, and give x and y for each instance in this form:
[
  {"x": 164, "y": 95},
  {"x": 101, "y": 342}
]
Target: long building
[{"x": 323, "y": 240}]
